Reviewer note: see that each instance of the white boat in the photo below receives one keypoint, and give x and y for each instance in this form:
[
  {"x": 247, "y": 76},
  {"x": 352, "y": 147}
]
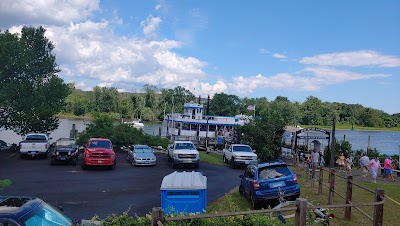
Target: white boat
[
  {"x": 135, "y": 123},
  {"x": 193, "y": 125}
]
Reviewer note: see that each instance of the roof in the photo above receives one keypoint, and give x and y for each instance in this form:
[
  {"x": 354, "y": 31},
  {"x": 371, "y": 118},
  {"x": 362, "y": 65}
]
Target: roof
[
  {"x": 184, "y": 181},
  {"x": 271, "y": 164},
  {"x": 17, "y": 206},
  {"x": 96, "y": 138},
  {"x": 183, "y": 141}
]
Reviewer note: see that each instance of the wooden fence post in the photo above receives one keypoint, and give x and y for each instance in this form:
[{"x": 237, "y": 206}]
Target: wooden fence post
[
  {"x": 313, "y": 175},
  {"x": 331, "y": 186},
  {"x": 307, "y": 168},
  {"x": 349, "y": 194},
  {"x": 157, "y": 215},
  {"x": 321, "y": 178},
  {"x": 301, "y": 212},
  {"x": 378, "y": 209}
]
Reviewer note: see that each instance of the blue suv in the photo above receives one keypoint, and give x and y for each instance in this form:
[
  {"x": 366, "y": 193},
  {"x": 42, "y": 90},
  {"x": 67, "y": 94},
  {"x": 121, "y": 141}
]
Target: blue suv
[{"x": 262, "y": 183}]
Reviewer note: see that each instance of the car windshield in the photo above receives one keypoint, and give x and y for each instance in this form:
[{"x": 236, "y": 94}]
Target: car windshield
[
  {"x": 190, "y": 146},
  {"x": 242, "y": 148},
  {"x": 65, "y": 143},
  {"x": 276, "y": 171},
  {"x": 143, "y": 150},
  {"x": 100, "y": 144},
  {"x": 35, "y": 137},
  {"x": 45, "y": 214}
]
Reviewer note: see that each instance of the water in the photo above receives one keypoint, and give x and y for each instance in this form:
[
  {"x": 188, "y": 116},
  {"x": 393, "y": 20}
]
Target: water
[{"x": 385, "y": 142}]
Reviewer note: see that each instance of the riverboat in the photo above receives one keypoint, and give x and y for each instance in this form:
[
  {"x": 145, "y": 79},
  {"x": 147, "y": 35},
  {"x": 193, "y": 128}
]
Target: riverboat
[{"x": 203, "y": 130}]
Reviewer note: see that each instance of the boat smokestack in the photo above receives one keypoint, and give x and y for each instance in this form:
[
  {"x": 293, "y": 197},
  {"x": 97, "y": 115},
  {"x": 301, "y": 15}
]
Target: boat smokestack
[{"x": 208, "y": 105}]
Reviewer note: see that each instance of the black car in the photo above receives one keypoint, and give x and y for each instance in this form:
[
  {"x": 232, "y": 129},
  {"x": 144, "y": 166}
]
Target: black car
[
  {"x": 5, "y": 146},
  {"x": 18, "y": 211},
  {"x": 65, "y": 150}
]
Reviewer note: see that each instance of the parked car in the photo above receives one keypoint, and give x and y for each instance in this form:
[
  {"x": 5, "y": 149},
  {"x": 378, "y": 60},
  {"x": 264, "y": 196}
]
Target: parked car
[
  {"x": 264, "y": 183},
  {"x": 183, "y": 153},
  {"x": 65, "y": 150},
  {"x": 141, "y": 155},
  {"x": 6, "y": 146},
  {"x": 239, "y": 154},
  {"x": 27, "y": 211},
  {"x": 99, "y": 152},
  {"x": 35, "y": 144}
]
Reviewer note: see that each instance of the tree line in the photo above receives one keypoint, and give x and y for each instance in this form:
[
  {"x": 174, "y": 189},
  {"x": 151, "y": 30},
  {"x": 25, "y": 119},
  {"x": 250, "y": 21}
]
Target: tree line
[{"x": 151, "y": 104}]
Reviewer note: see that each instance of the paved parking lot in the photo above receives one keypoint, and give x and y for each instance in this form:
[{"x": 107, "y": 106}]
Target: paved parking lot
[{"x": 98, "y": 191}]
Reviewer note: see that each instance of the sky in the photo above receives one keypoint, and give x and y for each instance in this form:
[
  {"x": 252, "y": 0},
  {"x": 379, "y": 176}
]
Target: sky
[{"x": 338, "y": 51}]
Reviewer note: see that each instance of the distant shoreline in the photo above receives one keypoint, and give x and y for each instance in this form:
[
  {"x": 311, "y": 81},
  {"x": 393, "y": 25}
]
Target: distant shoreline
[{"x": 338, "y": 127}]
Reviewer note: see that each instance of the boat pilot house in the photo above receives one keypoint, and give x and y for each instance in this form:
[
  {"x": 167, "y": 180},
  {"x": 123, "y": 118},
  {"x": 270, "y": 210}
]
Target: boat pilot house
[{"x": 202, "y": 130}]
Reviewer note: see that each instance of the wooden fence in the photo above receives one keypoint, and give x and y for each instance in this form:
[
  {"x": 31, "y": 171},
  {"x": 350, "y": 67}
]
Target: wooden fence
[{"x": 302, "y": 206}]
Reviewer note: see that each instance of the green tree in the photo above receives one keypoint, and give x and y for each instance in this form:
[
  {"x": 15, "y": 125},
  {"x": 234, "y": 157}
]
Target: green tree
[
  {"x": 180, "y": 97},
  {"x": 225, "y": 105},
  {"x": 31, "y": 93},
  {"x": 77, "y": 103},
  {"x": 265, "y": 133},
  {"x": 311, "y": 111}
]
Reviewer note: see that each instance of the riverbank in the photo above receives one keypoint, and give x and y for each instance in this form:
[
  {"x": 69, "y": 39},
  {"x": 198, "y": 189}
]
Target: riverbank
[{"x": 349, "y": 127}]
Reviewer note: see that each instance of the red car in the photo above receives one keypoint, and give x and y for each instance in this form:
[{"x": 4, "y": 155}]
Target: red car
[{"x": 99, "y": 152}]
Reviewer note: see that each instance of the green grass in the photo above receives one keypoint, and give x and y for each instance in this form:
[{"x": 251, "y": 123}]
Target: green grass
[
  {"x": 230, "y": 202},
  {"x": 212, "y": 158},
  {"x": 358, "y": 196},
  {"x": 4, "y": 183}
]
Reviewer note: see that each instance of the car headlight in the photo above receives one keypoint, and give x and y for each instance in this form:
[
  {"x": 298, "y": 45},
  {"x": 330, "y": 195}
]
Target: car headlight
[
  {"x": 137, "y": 158},
  {"x": 175, "y": 155},
  {"x": 57, "y": 153},
  {"x": 254, "y": 157},
  {"x": 112, "y": 156},
  {"x": 87, "y": 155}
]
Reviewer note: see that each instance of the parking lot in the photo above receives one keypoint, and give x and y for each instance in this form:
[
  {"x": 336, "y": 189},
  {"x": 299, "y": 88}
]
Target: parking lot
[{"x": 99, "y": 191}]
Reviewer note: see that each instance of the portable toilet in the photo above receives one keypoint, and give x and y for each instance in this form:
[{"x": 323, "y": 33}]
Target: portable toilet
[{"x": 184, "y": 192}]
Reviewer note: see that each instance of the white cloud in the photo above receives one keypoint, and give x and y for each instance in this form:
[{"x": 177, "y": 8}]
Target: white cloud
[
  {"x": 309, "y": 79},
  {"x": 150, "y": 25},
  {"x": 158, "y": 7},
  {"x": 105, "y": 84},
  {"x": 262, "y": 50},
  {"x": 278, "y": 55},
  {"x": 45, "y": 12},
  {"x": 353, "y": 59}
]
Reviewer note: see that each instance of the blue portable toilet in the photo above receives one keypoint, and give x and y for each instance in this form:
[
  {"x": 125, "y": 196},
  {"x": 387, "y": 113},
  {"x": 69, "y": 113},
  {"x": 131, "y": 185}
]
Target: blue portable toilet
[{"x": 184, "y": 192}]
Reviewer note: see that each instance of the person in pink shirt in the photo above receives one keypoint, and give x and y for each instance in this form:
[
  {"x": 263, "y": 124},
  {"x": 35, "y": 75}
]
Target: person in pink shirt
[
  {"x": 373, "y": 167},
  {"x": 387, "y": 168}
]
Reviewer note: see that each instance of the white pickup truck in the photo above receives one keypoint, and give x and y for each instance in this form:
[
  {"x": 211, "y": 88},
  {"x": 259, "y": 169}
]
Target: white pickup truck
[
  {"x": 239, "y": 154},
  {"x": 35, "y": 144},
  {"x": 183, "y": 153}
]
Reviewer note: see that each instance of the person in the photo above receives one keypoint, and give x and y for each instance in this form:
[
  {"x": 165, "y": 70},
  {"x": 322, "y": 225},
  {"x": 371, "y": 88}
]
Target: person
[
  {"x": 340, "y": 162},
  {"x": 348, "y": 165},
  {"x": 346, "y": 154},
  {"x": 387, "y": 168},
  {"x": 315, "y": 158},
  {"x": 374, "y": 166},
  {"x": 364, "y": 164}
]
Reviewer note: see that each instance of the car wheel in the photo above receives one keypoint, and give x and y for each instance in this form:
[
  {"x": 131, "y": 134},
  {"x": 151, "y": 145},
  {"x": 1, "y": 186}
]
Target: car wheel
[
  {"x": 224, "y": 158},
  {"x": 133, "y": 162},
  {"x": 169, "y": 158},
  {"x": 112, "y": 167},
  {"x": 74, "y": 161},
  {"x": 233, "y": 163},
  {"x": 84, "y": 166},
  {"x": 241, "y": 192},
  {"x": 127, "y": 158},
  {"x": 256, "y": 205}
]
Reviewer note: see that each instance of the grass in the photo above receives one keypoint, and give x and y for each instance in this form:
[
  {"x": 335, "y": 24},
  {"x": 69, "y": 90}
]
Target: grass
[
  {"x": 4, "y": 183},
  {"x": 358, "y": 196},
  {"x": 212, "y": 158}
]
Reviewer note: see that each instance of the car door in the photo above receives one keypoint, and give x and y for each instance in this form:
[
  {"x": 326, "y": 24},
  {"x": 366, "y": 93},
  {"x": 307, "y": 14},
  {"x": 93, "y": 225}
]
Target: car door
[{"x": 248, "y": 179}]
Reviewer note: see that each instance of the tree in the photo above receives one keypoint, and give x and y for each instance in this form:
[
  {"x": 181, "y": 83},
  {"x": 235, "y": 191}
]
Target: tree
[
  {"x": 265, "y": 133},
  {"x": 31, "y": 93},
  {"x": 225, "y": 105}
]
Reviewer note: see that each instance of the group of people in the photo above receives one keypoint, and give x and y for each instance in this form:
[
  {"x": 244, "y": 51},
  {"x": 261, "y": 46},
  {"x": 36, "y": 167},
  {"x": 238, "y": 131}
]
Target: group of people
[{"x": 367, "y": 165}]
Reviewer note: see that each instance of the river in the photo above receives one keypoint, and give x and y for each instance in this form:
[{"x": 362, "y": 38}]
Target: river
[{"x": 384, "y": 141}]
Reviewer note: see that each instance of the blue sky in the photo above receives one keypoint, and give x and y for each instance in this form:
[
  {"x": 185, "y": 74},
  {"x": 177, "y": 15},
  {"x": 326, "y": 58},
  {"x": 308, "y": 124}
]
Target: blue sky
[{"x": 338, "y": 51}]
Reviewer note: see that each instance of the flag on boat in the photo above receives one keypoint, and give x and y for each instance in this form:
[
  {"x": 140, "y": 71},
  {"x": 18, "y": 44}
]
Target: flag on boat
[{"x": 251, "y": 107}]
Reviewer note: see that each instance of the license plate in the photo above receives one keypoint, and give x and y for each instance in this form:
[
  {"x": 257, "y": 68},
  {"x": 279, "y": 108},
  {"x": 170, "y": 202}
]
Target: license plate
[
  {"x": 187, "y": 161},
  {"x": 146, "y": 161},
  {"x": 62, "y": 158},
  {"x": 277, "y": 184},
  {"x": 99, "y": 161}
]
